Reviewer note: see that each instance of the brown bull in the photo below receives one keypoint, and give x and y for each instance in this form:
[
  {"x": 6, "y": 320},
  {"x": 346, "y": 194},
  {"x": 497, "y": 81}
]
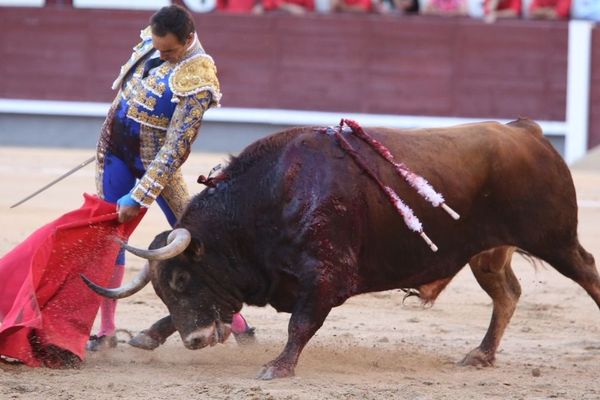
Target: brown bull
[{"x": 298, "y": 223}]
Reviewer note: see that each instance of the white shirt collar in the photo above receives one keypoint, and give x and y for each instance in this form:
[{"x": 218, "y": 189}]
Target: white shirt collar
[{"x": 156, "y": 53}]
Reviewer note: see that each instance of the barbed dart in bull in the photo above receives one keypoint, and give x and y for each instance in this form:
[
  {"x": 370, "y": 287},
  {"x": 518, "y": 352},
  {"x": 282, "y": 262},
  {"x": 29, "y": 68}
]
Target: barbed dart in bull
[
  {"x": 410, "y": 219},
  {"x": 419, "y": 183}
]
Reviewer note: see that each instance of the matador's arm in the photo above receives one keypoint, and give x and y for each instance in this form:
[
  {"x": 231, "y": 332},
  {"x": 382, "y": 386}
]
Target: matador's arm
[{"x": 183, "y": 130}]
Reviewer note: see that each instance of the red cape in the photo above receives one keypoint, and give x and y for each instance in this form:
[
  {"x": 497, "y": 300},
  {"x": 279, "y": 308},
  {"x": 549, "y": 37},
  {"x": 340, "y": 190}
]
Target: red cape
[{"x": 45, "y": 308}]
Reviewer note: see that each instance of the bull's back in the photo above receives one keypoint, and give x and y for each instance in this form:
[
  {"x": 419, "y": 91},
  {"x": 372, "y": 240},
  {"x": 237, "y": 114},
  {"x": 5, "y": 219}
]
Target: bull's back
[
  {"x": 502, "y": 179},
  {"x": 477, "y": 154},
  {"x": 467, "y": 164},
  {"x": 509, "y": 184}
]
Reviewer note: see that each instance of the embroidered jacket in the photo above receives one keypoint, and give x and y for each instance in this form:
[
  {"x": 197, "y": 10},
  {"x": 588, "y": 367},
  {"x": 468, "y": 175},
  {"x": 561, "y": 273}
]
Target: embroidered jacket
[{"x": 155, "y": 118}]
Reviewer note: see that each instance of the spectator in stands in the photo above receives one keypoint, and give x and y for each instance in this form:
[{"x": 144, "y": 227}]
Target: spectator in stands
[
  {"x": 550, "y": 9},
  {"x": 586, "y": 9},
  {"x": 238, "y": 6},
  {"x": 446, "y": 7},
  {"x": 397, "y": 6},
  {"x": 356, "y": 6},
  {"x": 494, "y": 9},
  {"x": 297, "y": 7},
  {"x": 407, "y": 6}
]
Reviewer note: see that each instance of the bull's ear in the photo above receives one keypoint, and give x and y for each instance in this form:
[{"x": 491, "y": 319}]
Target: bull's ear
[{"x": 179, "y": 280}]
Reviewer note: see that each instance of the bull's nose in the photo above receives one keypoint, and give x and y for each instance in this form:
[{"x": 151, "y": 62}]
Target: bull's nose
[{"x": 199, "y": 338}]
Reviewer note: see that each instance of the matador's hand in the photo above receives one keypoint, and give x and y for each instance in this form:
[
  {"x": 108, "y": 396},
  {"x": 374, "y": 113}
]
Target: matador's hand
[{"x": 127, "y": 208}]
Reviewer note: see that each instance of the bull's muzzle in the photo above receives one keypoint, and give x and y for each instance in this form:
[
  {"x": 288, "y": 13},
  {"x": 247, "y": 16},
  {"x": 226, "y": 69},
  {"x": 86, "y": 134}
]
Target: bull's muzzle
[{"x": 217, "y": 332}]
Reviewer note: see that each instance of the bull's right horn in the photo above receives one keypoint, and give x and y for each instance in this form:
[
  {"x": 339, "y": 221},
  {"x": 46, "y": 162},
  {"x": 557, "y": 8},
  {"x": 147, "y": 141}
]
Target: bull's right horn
[
  {"x": 134, "y": 286},
  {"x": 177, "y": 242}
]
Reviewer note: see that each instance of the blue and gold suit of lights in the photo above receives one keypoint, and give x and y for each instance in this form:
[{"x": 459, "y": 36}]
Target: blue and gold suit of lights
[{"x": 151, "y": 125}]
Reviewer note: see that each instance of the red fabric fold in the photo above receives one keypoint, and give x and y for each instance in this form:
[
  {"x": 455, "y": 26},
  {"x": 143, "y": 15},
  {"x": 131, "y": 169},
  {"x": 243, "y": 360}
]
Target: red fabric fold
[{"x": 46, "y": 310}]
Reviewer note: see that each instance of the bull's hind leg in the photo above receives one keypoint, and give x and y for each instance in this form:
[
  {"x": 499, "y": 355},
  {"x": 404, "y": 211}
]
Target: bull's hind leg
[
  {"x": 579, "y": 265},
  {"x": 493, "y": 271}
]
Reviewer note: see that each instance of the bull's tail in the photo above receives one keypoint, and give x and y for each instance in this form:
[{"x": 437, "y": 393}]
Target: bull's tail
[
  {"x": 533, "y": 260},
  {"x": 527, "y": 124}
]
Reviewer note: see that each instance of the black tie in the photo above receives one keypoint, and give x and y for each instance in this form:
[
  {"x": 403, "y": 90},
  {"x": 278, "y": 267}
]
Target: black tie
[{"x": 151, "y": 63}]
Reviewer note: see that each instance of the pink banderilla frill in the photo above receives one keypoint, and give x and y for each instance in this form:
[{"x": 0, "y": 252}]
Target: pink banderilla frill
[{"x": 419, "y": 183}]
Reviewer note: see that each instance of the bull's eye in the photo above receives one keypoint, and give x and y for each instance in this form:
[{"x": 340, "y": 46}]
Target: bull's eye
[
  {"x": 179, "y": 280},
  {"x": 199, "y": 250}
]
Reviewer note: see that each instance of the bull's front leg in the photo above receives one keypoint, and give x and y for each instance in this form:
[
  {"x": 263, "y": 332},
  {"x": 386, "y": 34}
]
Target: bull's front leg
[
  {"x": 306, "y": 319},
  {"x": 151, "y": 338}
]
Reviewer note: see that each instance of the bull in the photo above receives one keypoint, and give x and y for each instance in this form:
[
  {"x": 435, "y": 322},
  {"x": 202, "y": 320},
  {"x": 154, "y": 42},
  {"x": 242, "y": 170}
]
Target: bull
[{"x": 297, "y": 223}]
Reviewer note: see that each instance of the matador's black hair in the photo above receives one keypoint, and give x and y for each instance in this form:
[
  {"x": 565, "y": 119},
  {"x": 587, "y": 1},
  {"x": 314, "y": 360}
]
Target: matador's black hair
[{"x": 173, "y": 19}]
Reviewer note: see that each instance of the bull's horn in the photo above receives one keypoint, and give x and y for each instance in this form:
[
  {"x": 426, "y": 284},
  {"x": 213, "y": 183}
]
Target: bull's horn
[
  {"x": 177, "y": 242},
  {"x": 134, "y": 286}
]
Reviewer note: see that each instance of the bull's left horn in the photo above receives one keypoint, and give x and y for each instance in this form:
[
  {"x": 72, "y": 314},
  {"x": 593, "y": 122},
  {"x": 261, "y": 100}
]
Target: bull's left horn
[
  {"x": 134, "y": 286},
  {"x": 177, "y": 242}
]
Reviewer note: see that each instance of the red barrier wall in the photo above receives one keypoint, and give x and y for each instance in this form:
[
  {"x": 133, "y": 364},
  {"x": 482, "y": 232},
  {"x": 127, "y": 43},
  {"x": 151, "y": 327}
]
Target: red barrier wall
[{"x": 356, "y": 63}]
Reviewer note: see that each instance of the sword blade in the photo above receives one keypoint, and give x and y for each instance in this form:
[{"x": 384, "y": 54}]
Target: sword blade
[{"x": 54, "y": 182}]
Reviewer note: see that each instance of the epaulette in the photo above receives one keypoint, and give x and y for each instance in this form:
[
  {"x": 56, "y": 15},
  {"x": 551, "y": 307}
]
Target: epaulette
[{"x": 194, "y": 75}]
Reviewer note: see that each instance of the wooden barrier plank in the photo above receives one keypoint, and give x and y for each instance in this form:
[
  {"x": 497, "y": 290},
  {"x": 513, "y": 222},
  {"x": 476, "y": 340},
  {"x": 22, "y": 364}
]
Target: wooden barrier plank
[{"x": 355, "y": 63}]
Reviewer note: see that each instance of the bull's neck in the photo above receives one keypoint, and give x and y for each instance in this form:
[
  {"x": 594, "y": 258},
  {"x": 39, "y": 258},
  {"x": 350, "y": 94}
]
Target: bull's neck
[{"x": 235, "y": 228}]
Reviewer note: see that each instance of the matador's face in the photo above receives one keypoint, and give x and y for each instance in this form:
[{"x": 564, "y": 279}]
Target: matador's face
[{"x": 170, "y": 48}]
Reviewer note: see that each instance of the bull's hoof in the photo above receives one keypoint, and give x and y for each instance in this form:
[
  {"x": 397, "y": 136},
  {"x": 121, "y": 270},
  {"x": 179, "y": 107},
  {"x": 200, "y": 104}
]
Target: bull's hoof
[
  {"x": 478, "y": 358},
  {"x": 144, "y": 341},
  {"x": 270, "y": 371}
]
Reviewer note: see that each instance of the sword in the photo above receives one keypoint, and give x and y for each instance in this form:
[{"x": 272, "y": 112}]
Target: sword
[{"x": 60, "y": 178}]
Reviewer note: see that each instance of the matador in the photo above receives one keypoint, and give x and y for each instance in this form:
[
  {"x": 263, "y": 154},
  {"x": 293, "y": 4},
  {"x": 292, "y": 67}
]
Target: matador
[{"x": 163, "y": 91}]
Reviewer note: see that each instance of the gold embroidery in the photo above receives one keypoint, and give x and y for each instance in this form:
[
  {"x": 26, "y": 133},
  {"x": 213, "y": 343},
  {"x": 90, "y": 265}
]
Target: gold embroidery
[
  {"x": 146, "y": 33},
  {"x": 193, "y": 75},
  {"x": 143, "y": 117},
  {"x": 163, "y": 69},
  {"x": 176, "y": 193},
  {"x": 133, "y": 85},
  {"x": 125, "y": 92},
  {"x": 139, "y": 70},
  {"x": 152, "y": 84},
  {"x": 148, "y": 102},
  {"x": 178, "y": 140},
  {"x": 151, "y": 140},
  {"x": 138, "y": 52}
]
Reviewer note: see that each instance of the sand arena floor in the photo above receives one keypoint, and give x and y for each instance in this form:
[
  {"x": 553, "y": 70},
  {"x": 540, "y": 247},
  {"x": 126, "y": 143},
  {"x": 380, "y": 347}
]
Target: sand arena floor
[{"x": 373, "y": 347}]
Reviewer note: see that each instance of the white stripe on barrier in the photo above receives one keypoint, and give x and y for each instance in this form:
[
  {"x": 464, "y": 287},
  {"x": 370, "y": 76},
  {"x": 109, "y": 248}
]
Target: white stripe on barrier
[
  {"x": 264, "y": 116},
  {"x": 578, "y": 89}
]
